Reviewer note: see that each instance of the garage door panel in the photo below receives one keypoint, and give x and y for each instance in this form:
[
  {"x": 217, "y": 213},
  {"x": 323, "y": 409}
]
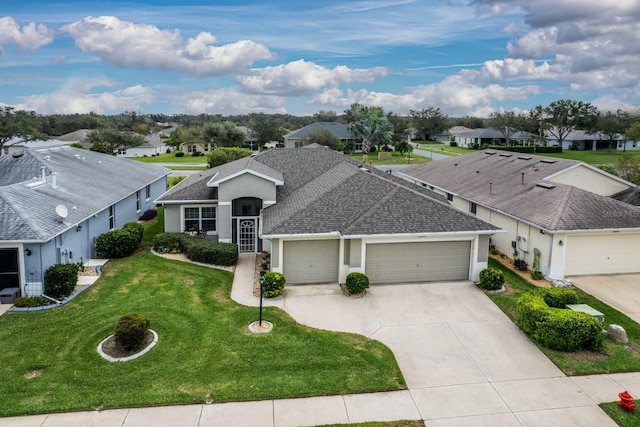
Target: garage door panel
[
  {"x": 417, "y": 262},
  {"x": 602, "y": 254},
  {"x": 311, "y": 261}
]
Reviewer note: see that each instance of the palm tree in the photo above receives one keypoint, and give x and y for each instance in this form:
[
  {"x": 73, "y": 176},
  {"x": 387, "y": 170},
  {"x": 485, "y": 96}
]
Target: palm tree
[{"x": 373, "y": 128}]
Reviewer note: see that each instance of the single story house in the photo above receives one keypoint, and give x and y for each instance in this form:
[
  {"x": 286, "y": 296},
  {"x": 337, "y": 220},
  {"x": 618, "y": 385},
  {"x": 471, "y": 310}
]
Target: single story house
[
  {"x": 446, "y": 136},
  {"x": 339, "y": 130},
  {"x": 323, "y": 215},
  {"x": 556, "y": 208},
  {"x": 55, "y": 201},
  {"x": 630, "y": 196},
  {"x": 581, "y": 140},
  {"x": 491, "y": 136},
  {"x": 153, "y": 145}
]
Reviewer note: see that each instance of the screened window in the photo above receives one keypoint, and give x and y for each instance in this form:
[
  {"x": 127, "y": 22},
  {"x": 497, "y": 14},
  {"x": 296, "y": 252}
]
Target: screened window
[
  {"x": 147, "y": 192},
  {"x": 450, "y": 197},
  {"x": 138, "y": 205},
  {"x": 473, "y": 208},
  {"x": 112, "y": 217},
  {"x": 200, "y": 218}
]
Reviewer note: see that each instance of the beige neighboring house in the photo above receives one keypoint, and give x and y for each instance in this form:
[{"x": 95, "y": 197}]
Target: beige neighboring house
[
  {"x": 555, "y": 207},
  {"x": 339, "y": 130},
  {"x": 323, "y": 215}
]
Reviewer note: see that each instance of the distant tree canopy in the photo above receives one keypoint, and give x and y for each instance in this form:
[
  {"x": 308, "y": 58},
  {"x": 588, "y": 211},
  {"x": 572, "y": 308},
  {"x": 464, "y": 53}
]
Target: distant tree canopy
[
  {"x": 561, "y": 117},
  {"x": 428, "y": 122},
  {"x": 223, "y": 155},
  {"x": 110, "y": 140},
  {"x": 19, "y": 124},
  {"x": 322, "y": 137},
  {"x": 223, "y": 134}
]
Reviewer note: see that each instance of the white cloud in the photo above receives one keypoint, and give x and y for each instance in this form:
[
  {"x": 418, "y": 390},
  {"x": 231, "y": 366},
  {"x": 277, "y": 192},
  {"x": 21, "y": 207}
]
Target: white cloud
[
  {"x": 28, "y": 37},
  {"x": 127, "y": 44},
  {"x": 454, "y": 95},
  {"x": 302, "y": 77},
  {"x": 82, "y": 97},
  {"x": 227, "y": 101}
]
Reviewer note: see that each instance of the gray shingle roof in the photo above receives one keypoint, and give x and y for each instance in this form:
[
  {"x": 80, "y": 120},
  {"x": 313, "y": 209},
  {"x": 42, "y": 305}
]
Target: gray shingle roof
[
  {"x": 192, "y": 188},
  {"x": 86, "y": 182},
  {"x": 337, "y": 129},
  {"x": 631, "y": 196},
  {"x": 326, "y": 191},
  {"x": 493, "y": 133},
  {"x": 515, "y": 184}
]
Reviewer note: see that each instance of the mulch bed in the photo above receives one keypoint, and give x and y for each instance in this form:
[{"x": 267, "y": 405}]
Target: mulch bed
[
  {"x": 526, "y": 275},
  {"x": 111, "y": 348},
  {"x": 256, "y": 274},
  {"x": 345, "y": 292}
]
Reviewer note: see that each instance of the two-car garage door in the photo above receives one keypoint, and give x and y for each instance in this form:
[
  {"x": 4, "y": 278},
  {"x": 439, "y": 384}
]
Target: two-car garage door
[{"x": 417, "y": 262}]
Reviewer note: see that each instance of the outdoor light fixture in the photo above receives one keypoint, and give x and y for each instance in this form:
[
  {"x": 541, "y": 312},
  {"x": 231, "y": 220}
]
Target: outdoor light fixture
[
  {"x": 78, "y": 228},
  {"x": 27, "y": 252}
]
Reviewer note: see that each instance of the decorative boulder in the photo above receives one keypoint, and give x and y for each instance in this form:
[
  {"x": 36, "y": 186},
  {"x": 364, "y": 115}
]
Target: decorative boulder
[{"x": 617, "y": 333}]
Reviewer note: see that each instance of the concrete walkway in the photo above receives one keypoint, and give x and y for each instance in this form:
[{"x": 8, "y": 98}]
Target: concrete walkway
[{"x": 464, "y": 361}]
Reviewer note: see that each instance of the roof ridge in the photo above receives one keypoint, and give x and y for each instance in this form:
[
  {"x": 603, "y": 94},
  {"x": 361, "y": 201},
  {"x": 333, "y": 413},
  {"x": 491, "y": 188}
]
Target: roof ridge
[
  {"x": 371, "y": 210},
  {"x": 564, "y": 204}
]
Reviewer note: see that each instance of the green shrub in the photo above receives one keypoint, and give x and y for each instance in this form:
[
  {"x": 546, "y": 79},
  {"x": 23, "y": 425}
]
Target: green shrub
[
  {"x": 136, "y": 228},
  {"x": 116, "y": 244},
  {"x": 60, "y": 280},
  {"x": 210, "y": 252},
  {"x": 356, "y": 283},
  {"x": 491, "y": 279},
  {"x": 453, "y": 144},
  {"x": 520, "y": 264},
  {"x": 537, "y": 275},
  {"x": 170, "y": 243},
  {"x": 148, "y": 215},
  {"x": 273, "y": 285},
  {"x": 131, "y": 331},
  {"x": 541, "y": 314},
  {"x": 31, "y": 302},
  {"x": 179, "y": 154}
]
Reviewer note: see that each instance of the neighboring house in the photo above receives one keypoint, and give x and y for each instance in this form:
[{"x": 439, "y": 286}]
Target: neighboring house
[
  {"x": 491, "y": 136},
  {"x": 153, "y": 145},
  {"x": 581, "y": 140},
  {"x": 323, "y": 215},
  {"x": 55, "y": 201},
  {"x": 445, "y": 137},
  {"x": 339, "y": 130},
  {"x": 17, "y": 146},
  {"x": 556, "y": 206},
  {"x": 630, "y": 196},
  {"x": 206, "y": 147},
  {"x": 80, "y": 136}
]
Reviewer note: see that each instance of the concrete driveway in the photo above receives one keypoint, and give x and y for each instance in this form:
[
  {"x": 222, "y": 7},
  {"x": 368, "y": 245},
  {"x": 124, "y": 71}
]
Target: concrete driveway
[
  {"x": 620, "y": 291},
  {"x": 464, "y": 361}
]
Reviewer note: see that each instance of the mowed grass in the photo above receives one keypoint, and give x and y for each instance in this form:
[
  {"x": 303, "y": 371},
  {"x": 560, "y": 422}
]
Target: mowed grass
[
  {"x": 594, "y": 157},
  {"x": 396, "y": 159},
  {"x": 615, "y": 357},
  {"x": 171, "y": 158},
  {"x": 621, "y": 416},
  {"x": 49, "y": 362}
]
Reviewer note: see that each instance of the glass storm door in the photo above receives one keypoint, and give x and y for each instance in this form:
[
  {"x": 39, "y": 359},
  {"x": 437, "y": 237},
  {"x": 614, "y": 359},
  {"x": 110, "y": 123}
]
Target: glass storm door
[{"x": 247, "y": 235}]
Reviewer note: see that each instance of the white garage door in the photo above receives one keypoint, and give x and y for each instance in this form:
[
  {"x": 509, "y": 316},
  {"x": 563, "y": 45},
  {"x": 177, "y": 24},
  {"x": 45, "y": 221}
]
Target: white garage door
[
  {"x": 311, "y": 261},
  {"x": 417, "y": 262},
  {"x": 603, "y": 254}
]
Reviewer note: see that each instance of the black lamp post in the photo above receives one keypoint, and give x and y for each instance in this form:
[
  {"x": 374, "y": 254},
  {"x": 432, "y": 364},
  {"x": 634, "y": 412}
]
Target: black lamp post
[{"x": 260, "y": 317}]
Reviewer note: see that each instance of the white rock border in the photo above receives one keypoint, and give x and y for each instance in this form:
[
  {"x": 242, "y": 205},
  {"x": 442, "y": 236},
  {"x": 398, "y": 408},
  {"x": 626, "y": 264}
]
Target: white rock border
[{"x": 133, "y": 356}]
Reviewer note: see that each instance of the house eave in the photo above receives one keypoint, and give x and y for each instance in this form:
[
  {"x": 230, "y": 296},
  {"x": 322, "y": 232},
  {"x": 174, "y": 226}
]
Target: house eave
[
  {"x": 425, "y": 235},
  {"x": 215, "y": 183},
  {"x": 301, "y": 236}
]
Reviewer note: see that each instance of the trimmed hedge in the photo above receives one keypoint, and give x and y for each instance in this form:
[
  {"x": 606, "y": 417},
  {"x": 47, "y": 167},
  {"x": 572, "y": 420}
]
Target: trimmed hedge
[
  {"x": 531, "y": 149},
  {"x": 541, "y": 314},
  {"x": 491, "y": 279},
  {"x": 31, "y": 302},
  {"x": 170, "y": 243},
  {"x": 148, "y": 215},
  {"x": 210, "y": 252},
  {"x": 356, "y": 283},
  {"x": 273, "y": 285},
  {"x": 116, "y": 244},
  {"x": 131, "y": 331},
  {"x": 136, "y": 229},
  {"x": 60, "y": 280}
]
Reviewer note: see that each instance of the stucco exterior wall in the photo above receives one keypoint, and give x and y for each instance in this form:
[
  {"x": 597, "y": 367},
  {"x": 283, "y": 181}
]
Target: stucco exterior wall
[
  {"x": 247, "y": 185},
  {"x": 172, "y": 218},
  {"x": 590, "y": 180}
]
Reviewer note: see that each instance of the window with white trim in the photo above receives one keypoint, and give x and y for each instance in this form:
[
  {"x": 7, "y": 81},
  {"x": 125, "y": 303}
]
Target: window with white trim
[
  {"x": 112, "y": 217},
  {"x": 200, "y": 218},
  {"x": 138, "y": 203},
  {"x": 473, "y": 208},
  {"x": 147, "y": 192}
]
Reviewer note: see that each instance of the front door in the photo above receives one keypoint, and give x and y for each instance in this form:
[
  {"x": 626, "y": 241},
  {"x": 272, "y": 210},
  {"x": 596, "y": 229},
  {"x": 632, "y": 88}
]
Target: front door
[
  {"x": 247, "y": 234},
  {"x": 9, "y": 269}
]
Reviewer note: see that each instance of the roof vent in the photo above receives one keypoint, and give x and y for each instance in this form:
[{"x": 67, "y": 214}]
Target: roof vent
[
  {"x": 17, "y": 154},
  {"x": 490, "y": 153},
  {"x": 548, "y": 160},
  {"x": 77, "y": 156},
  {"x": 505, "y": 155},
  {"x": 546, "y": 185},
  {"x": 524, "y": 157},
  {"x": 364, "y": 169}
]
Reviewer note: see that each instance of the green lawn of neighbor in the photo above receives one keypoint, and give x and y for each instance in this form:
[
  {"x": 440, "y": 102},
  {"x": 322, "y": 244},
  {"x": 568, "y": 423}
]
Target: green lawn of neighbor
[
  {"x": 49, "y": 362},
  {"x": 594, "y": 157},
  {"x": 616, "y": 357},
  {"x": 171, "y": 158},
  {"x": 621, "y": 416},
  {"x": 447, "y": 149},
  {"x": 396, "y": 159}
]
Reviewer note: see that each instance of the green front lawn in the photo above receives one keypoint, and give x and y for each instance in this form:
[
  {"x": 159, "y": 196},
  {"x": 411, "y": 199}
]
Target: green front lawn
[
  {"x": 447, "y": 149},
  {"x": 621, "y": 416},
  {"x": 171, "y": 158},
  {"x": 49, "y": 363},
  {"x": 188, "y": 168},
  {"x": 616, "y": 357},
  {"x": 396, "y": 159},
  {"x": 593, "y": 157}
]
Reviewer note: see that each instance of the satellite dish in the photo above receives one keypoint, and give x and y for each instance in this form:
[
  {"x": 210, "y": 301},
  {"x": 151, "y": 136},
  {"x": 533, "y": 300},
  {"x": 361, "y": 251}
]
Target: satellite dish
[{"x": 62, "y": 211}]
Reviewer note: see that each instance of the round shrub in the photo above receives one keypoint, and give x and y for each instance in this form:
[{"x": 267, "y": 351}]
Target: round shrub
[
  {"x": 356, "y": 283},
  {"x": 131, "y": 331},
  {"x": 542, "y": 315},
  {"x": 537, "y": 275},
  {"x": 179, "y": 154},
  {"x": 116, "y": 244},
  {"x": 136, "y": 228},
  {"x": 210, "y": 252},
  {"x": 491, "y": 279},
  {"x": 170, "y": 243},
  {"x": 60, "y": 280},
  {"x": 148, "y": 215},
  {"x": 273, "y": 285}
]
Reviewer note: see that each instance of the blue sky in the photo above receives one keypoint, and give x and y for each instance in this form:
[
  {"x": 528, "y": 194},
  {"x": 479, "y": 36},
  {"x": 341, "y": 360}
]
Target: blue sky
[{"x": 468, "y": 57}]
